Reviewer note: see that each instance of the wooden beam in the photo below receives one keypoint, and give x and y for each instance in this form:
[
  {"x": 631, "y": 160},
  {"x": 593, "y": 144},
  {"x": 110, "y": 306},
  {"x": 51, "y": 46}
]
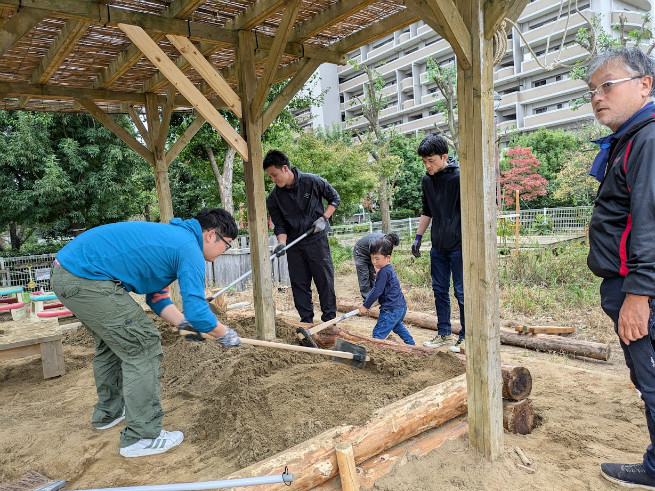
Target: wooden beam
[
  {"x": 495, "y": 11},
  {"x": 88, "y": 11},
  {"x": 334, "y": 14},
  {"x": 64, "y": 92},
  {"x": 290, "y": 90},
  {"x": 255, "y": 14},
  {"x": 154, "y": 53},
  {"x": 166, "y": 113},
  {"x": 275, "y": 54},
  {"x": 377, "y": 30},
  {"x": 182, "y": 9},
  {"x": 443, "y": 17},
  {"x": 479, "y": 249},
  {"x": 184, "y": 140},
  {"x": 18, "y": 25},
  {"x": 116, "y": 129},
  {"x": 207, "y": 72},
  {"x": 253, "y": 169},
  {"x": 140, "y": 127}
]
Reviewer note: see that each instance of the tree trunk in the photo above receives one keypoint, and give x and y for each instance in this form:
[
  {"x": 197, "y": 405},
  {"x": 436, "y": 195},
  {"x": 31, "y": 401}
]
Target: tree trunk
[
  {"x": 224, "y": 180},
  {"x": 518, "y": 416},
  {"x": 541, "y": 342},
  {"x": 16, "y": 238},
  {"x": 385, "y": 212}
]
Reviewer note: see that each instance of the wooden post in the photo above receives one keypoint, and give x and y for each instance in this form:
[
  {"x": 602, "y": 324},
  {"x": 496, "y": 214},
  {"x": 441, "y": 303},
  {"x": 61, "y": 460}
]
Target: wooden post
[
  {"x": 262, "y": 284},
  {"x": 159, "y": 156},
  {"x": 347, "y": 468},
  {"x": 479, "y": 248}
]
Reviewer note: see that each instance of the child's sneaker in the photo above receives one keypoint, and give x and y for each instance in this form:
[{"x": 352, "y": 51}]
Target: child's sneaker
[
  {"x": 112, "y": 423},
  {"x": 439, "y": 340},
  {"x": 151, "y": 446},
  {"x": 458, "y": 347}
]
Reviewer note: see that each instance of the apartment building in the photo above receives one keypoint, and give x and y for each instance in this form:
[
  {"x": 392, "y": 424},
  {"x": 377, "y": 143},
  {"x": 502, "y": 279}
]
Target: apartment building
[{"x": 530, "y": 96}]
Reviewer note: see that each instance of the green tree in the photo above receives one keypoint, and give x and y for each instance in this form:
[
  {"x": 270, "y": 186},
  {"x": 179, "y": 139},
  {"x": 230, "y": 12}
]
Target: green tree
[
  {"x": 407, "y": 190},
  {"x": 573, "y": 183},
  {"x": 343, "y": 165},
  {"x": 63, "y": 173},
  {"x": 445, "y": 77}
]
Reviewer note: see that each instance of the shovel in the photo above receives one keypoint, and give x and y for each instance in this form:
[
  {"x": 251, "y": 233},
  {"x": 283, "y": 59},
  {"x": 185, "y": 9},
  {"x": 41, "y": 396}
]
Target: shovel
[
  {"x": 248, "y": 273},
  {"x": 305, "y": 335},
  {"x": 347, "y": 351}
]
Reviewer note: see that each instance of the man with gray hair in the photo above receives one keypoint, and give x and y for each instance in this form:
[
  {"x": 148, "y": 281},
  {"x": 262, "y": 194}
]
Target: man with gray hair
[{"x": 621, "y": 232}]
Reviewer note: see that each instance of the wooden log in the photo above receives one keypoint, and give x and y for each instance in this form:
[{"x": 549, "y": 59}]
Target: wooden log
[
  {"x": 539, "y": 342},
  {"x": 518, "y": 416},
  {"x": 347, "y": 468},
  {"x": 517, "y": 381},
  {"x": 380, "y": 465},
  {"x": 313, "y": 462},
  {"x": 544, "y": 329}
]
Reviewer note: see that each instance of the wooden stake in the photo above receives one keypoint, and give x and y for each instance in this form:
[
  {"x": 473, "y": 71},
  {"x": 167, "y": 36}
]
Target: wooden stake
[
  {"x": 347, "y": 468},
  {"x": 524, "y": 459}
]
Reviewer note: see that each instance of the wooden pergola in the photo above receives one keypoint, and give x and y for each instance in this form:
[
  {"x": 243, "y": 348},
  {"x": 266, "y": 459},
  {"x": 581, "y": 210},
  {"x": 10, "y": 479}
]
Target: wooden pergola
[{"x": 160, "y": 56}]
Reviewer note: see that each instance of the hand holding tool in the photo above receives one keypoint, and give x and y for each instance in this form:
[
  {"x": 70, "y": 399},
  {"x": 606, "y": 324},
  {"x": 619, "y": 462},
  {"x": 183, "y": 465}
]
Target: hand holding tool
[{"x": 319, "y": 224}]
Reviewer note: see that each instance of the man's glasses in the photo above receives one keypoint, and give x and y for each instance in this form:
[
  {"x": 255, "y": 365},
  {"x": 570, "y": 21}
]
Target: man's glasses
[
  {"x": 605, "y": 88},
  {"x": 227, "y": 244}
]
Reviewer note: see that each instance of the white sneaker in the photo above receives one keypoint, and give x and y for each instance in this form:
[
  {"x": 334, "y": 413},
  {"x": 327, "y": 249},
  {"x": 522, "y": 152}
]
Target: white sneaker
[
  {"x": 458, "y": 347},
  {"x": 112, "y": 423},
  {"x": 439, "y": 340},
  {"x": 151, "y": 446}
]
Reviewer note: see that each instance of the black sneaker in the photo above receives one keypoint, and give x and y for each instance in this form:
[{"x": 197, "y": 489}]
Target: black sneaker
[{"x": 628, "y": 475}]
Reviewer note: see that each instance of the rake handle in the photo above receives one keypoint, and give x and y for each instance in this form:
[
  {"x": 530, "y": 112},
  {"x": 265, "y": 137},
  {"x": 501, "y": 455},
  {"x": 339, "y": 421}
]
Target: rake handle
[{"x": 289, "y": 347}]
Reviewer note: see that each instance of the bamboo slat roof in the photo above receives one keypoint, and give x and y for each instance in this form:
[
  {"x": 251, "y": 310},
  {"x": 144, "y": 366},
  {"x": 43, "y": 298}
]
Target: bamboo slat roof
[{"x": 52, "y": 51}]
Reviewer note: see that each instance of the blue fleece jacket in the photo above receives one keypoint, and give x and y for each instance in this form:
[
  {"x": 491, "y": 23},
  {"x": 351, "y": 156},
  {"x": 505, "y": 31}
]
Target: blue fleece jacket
[
  {"x": 386, "y": 290},
  {"x": 146, "y": 258}
]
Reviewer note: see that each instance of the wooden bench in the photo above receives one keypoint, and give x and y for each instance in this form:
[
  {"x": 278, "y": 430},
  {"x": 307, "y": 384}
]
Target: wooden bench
[{"x": 19, "y": 343}]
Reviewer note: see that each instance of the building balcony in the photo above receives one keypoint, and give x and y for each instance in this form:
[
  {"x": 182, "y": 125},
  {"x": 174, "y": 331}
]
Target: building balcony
[
  {"x": 387, "y": 111},
  {"x": 424, "y": 78},
  {"x": 406, "y": 84},
  {"x": 504, "y": 72},
  {"x": 424, "y": 29},
  {"x": 387, "y": 90},
  {"x": 385, "y": 47},
  {"x": 633, "y": 19},
  {"x": 568, "y": 54},
  {"x": 429, "y": 98},
  {"x": 426, "y": 124},
  {"x": 403, "y": 37},
  {"x": 553, "y": 29},
  {"x": 552, "y": 89},
  {"x": 508, "y": 99},
  {"x": 350, "y": 123},
  {"x": 506, "y": 126},
  {"x": 407, "y": 104},
  {"x": 537, "y": 8},
  {"x": 559, "y": 116}
]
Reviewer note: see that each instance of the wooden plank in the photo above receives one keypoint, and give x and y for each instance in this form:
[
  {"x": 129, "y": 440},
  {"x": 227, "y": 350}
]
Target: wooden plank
[
  {"x": 275, "y": 54},
  {"x": 479, "y": 249},
  {"x": 166, "y": 113},
  {"x": 289, "y": 91},
  {"x": 28, "y": 338},
  {"x": 154, "y": 53},
  {"x": 18, "y": 25},
  {"x": 140, "y": 127},
  {"x": 182, "y": 9},
  {"x": 207, "y": 72},
  {"x": 544, "y": 329},
  {"x": 255, "y": 14},
  {"x": 334, "y": 14},
  {"x": 256, "y": 192},
  {"x": 116, "y": 129},
  {"x": 52, "y": 359},
  {"x": 184, "y": 140}
]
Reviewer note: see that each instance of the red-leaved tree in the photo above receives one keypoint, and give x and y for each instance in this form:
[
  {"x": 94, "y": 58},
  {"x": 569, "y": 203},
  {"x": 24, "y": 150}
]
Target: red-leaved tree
[{"x": 522, "y": 176}]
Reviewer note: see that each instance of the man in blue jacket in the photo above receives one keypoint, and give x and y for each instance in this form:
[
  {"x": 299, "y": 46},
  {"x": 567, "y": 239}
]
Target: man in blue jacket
[
  {"x": 441, "y": 207},
  {"x": 92, "y": 277},
  {"x": 621, "y": 232},
  {"x": 296, "y": 206}
]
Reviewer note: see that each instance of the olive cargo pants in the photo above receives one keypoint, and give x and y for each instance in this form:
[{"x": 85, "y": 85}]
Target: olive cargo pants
[{"x": 128, "y": 353}]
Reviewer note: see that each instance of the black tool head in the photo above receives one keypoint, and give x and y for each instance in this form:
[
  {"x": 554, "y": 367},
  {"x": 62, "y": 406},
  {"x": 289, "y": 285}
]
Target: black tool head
[
  {"x": 359, "y": 353},
  {"x": 305, "y": 338}
]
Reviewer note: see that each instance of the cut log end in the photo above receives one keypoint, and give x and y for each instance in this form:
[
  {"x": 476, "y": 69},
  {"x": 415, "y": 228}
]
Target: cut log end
[
  {"x": 517, "y": 383},
  {"x": 518, "y": 416}
]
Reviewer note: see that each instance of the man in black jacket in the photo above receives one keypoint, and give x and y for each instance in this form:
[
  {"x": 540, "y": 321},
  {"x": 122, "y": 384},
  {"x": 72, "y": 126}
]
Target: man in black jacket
[
  {"x": 441, "y": 206},
  {"x": 296, "y": 206},
  {"x": 621, "y": 232}
]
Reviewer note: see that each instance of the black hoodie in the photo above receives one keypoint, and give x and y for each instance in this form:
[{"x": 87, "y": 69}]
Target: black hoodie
[{"x": 441, "y": 203}]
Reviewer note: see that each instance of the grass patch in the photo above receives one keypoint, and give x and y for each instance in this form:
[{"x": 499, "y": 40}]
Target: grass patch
[{"x": 341, "y": 257}]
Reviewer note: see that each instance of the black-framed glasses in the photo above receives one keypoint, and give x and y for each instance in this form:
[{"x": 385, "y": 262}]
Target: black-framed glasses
[
  {"x": 606, "y": 87},
  {"x": 227, "y": 244}
]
